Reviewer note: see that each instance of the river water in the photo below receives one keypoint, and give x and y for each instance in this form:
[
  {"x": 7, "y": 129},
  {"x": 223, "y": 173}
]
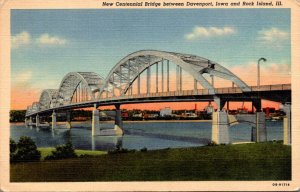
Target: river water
[{"x": 152, "y": 135}]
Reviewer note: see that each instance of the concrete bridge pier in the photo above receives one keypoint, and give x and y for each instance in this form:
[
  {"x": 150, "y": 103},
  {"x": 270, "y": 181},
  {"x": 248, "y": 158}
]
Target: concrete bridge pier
[
  {"x": 220, "y": 103},
  {"x": 220, "y": 123},
  {"x": 53, "y": 120},
  {"x": 287, "y": 136},
  {"x": 253, "y": 134},
  {"x": 95, "y": 122},
  {"x": 261, "y": 130},
  {"x": 258, "y": 125},
  {"x": 257, "y": 104},
  {"x": 68, "y": 123},
  {"x": 37, "y": 120},
  {"x": 30, "y": 121},
  {"x": 220, "y": 127},
  {"x": 118, "y": 121},
  {"x": 27, "y": 122}
]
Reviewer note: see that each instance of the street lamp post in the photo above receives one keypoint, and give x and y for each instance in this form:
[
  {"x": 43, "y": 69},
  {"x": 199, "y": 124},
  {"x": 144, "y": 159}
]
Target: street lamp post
[
  {"x": 258, "y": 71},
  {"x": 258, "y": 88}
]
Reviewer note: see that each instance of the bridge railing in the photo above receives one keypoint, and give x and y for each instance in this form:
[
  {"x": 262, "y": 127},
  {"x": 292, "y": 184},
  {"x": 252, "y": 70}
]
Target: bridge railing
[
  {"x": 228, "y": 90},
  {"x": 279, "y": 87}
]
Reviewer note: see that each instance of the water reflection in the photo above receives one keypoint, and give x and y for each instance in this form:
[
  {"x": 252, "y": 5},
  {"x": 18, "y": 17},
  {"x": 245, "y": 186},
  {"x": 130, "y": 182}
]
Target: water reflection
[{"x": 138, "y": 135}]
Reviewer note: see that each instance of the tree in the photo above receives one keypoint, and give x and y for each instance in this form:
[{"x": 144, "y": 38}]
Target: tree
[
  {"x": 17, "y": 115},
  {"x": 62, "y": 152},
  {"x": 25, "y": 150},
  {"x": 12, "y": 149}
]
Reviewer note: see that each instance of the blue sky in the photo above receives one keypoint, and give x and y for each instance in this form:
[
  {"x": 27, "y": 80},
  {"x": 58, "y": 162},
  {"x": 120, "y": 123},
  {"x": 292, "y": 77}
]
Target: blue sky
[{"x": 47, "y": 44}]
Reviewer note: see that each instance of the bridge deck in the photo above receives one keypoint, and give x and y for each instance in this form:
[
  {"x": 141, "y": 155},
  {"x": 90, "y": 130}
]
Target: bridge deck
[{"x": 279, "y": 93}]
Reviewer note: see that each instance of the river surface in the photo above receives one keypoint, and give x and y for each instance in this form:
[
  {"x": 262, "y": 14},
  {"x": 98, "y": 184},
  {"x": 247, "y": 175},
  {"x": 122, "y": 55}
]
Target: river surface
[{"x": 152, "y": 135}]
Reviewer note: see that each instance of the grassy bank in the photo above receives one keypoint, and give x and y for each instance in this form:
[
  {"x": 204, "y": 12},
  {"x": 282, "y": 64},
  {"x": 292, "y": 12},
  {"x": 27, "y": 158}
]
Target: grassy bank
[
  {"x": 47, "y": 151},
  {"x": 262, "y": 161}
]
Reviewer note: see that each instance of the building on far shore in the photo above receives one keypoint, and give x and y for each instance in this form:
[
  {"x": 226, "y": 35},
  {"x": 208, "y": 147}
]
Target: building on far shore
[{"x": 167, "y": 111}]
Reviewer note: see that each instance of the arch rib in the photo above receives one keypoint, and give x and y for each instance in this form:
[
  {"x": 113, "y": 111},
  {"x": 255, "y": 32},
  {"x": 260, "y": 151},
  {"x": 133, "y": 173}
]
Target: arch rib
[
  {"x": 91, "y": 81},
  {"x": 194, "y": 65}
]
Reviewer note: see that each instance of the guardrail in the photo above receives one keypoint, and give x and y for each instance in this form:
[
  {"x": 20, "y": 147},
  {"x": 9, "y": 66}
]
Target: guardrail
[
  {"x": 279, "y": 87},
  {"x": 226, "y": 90}
]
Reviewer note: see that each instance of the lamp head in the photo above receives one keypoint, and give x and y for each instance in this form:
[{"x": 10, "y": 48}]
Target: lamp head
[{"x": 262, "y": 59}]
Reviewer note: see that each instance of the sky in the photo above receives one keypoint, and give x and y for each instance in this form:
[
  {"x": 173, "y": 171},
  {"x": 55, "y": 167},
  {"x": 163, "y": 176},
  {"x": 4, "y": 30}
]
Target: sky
[{"x": 48, "y": 44}]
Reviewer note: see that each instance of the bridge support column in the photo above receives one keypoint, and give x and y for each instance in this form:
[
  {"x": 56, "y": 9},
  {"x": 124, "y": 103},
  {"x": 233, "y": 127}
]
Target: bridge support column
[
  {"x": 253, "y": 134},
  {"x": 118, "y": 121},
  {"x": 37, "y": 120},
  {"x": 95, "y": 122},
  {"x": 257, "y": 104},
  {"x": 53, "y": 120},
  {"x": 220, "y": 127},
  {"x": 261, "y": 131},
  {"x": 287, "y": 136},
  {"x": 220, "y": 103},
  {"x": 28, "y": 122},
  {"x": 68, "y": 123}
]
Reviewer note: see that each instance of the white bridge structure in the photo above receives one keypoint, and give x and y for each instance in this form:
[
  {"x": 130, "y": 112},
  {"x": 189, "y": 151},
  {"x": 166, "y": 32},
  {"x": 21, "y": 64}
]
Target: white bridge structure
[{"x": 147, "y": 76}]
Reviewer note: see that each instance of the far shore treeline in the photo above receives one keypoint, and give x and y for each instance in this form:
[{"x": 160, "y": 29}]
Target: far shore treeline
[
  {"x": 17, "y": 115},
  {"x": 135, "y": 114}
]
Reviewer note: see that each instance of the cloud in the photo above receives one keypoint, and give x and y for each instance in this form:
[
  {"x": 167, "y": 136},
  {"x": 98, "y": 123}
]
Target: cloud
[
  {"x": 270, "y": 73},
  {"x": 18, "y": 40},
  {"x": 46, "y": 39},
  {"x": 22, "y": 79},
  {"x": 27, "y": 87},
  {"x": 205, "y": 32},
  {"x": 24, "y": 38},
  {"x": 273, "y": 35}
]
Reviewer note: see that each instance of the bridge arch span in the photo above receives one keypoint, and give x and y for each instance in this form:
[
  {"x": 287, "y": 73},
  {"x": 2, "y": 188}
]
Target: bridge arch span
[
  {"x": 35, "y": 107},
  {"x": 90, "y": 83},
  {"x": 124, "y": 73},
  {"x": 47, "y": 97}
]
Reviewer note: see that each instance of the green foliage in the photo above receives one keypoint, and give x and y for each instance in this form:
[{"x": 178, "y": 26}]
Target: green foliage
[
  {"x": 17, "y": 115},
  {"x": 62, "y": 152},
  {"x": 121, "y": 150},
  {"x": 144, "y": 149},
  {"x": 212, "y": 143},
  {"x": 81, "y": 153},
  {"x": 12, "y": 148},
  {"x": 23, "y": 151},
  {"x": 243, "y": 162}
]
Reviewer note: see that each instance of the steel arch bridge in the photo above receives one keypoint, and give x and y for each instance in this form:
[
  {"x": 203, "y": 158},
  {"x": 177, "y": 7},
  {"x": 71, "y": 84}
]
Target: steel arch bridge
[
  {"x": 78, "y": 87},
  {"x": 88, "y": 89}
]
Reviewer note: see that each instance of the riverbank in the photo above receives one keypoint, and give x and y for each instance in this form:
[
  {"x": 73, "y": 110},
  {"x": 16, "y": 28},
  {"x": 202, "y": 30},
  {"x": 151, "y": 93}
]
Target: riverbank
[
  {"x": 166, "y": 121},
  {"x": 144, "y": 121},
  {"x": 129, "y": 121},
  {"x": 48, "y": 151},
  {"x": 255, "y": 161}
]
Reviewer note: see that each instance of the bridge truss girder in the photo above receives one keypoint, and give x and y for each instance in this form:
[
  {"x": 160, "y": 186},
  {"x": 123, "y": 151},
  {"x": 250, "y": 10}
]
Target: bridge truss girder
[
  {"x": 47, "y": 97},
  {"x": 90, "y": 82},
  {"x": 126, "y": 71}
]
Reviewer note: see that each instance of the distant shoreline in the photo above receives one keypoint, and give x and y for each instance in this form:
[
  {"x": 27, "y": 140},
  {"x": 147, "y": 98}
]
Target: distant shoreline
[
  {"x": 138, "y": 121},
  {"x": 156, "y": 121}
]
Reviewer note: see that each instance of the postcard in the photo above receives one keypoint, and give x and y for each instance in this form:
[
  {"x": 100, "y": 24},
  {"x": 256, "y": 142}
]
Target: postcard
[{"x": 160, "y": 95}]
